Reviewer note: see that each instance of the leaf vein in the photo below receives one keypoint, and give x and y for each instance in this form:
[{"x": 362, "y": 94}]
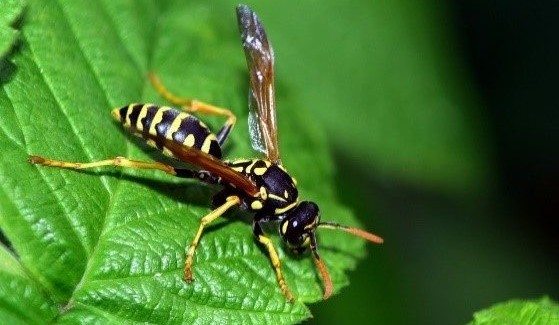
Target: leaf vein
[
  {"x": 126, "y": 49},
  {"x": 59, "y": 199}
]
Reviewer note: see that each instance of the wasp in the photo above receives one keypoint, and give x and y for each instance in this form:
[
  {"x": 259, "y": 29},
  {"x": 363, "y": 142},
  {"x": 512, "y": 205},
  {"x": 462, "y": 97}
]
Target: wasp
[{"x": 262, "y": 185}]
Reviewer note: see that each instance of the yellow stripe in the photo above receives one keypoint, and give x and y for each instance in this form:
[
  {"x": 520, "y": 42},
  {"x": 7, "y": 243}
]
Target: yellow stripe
[
  {"x": 263, "y": 193},
  {"x": 116, "y": 114},
  {"x": 143, "y": 114},
  {"x": 260, "y": 170},
  {"x": 156, "y": 119},
  {"x": 127, "y": 119},
  {"x": 207, "y": 142},
  {"x": 311, "y": 225},
  {"x": 167, "y": 152},
  {"x": 240, "y": 161},
  {"x": 284, "y": 227},
  {"x": 277, "y": 198},
  {"x": 189, "y": 141},
  {"x": 249, "y": 168},
  {"x": 289, "y": 207},
  {"x": 151, "y": 143},
  {"x": 175, "y": 125},
  {"x": 256, "y": 205}
]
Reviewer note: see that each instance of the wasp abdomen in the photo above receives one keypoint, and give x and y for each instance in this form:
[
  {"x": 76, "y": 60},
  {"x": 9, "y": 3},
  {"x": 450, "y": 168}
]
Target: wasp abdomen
[{"x": 155, "y": 123}]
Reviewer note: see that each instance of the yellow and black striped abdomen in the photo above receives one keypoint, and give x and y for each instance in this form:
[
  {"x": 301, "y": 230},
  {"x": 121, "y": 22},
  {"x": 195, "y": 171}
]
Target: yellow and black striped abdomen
[{"x": 152, "y": 122}]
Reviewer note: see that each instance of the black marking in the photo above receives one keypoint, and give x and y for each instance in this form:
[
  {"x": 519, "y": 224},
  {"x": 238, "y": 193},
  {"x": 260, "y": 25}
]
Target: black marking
[
  {"x": 277, "y": 181},
  {"x": 202, "y": 175},
  {"x": 159, "y": 144},
  {"x": 166, "y": 120},
  {"x": 258, "y": 164},
  {"x": 199, "y": 139},
  {"x": 134, "y": 113},
  {"x": 257, "y": 229},
  {"x": 122, "y": 113},
  {"x": 191, "y": 125},
  {"x": 185, "y": 128},
  {"x": 215, "y": 149},
  {"x": 185, "y": 173},
  {"x": 243, "y": 164},
  {"x": 146, "y": 121}
]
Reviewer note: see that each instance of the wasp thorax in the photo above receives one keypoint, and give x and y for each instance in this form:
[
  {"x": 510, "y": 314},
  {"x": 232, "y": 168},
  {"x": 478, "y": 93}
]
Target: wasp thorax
[
  {"x": 277, "y": 190},
  {"x": 299, "y": 223}
]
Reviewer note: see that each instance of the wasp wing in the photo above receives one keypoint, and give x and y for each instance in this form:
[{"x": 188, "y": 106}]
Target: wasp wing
[
  {"x": 256, "y": 137},
  {"x": 214, "y": 166},
  {"x": 260, "y": 59}
]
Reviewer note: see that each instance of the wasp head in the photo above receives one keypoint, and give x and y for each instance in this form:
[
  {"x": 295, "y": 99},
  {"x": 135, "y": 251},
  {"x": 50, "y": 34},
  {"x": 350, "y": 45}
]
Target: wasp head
[
  {"x": 298, "y": 229},
  {"x": 298, "y": 226}
]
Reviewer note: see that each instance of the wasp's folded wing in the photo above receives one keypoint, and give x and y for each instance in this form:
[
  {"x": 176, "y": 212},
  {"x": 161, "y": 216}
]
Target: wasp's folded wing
[
  {"x": 214, "y": 166},
  {"x": 260, "y": 59}
]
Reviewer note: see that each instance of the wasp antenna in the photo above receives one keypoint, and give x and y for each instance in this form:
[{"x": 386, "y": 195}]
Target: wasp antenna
[
  {"x": 322, "y": 269},
  {"x": 354, "y": 231}
]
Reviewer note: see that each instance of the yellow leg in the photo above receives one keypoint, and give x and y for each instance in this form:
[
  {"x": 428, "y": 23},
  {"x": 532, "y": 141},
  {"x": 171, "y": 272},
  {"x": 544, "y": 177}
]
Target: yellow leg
[
  {"x": 230, "y": 202},
  {"x": 277, "y": 266},
  {"x": 191, "y": 105},
  {"x": 118, "y": 161}
]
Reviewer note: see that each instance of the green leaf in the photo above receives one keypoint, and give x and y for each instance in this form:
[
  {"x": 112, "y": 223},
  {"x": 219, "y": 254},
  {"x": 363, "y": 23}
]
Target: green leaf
[
  {"x": 10, "y": 10},
  {"x": 21, "y": 300},
  {"x": 534, "y": 312},
  {"x": 109, "y": 245}
]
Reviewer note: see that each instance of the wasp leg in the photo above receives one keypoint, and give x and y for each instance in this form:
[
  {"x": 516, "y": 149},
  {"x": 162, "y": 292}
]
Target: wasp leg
[
  {"x": 267, "y": 242},
  {"x": 230, "y": 202},
  {"x": 201, "y": 175},
  {"x": 118, "y": 161},
  {"x": 193, "y": 105}
]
